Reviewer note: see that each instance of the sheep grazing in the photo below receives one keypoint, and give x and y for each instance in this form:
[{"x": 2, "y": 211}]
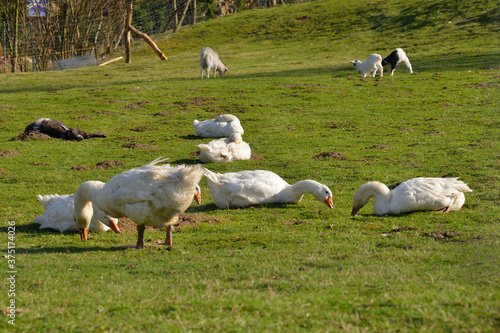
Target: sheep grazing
[
  {"x": 370, "y": 65},
  {"x": 397, "y": 56},
  {"x": 58, "y": 130},
  {"x": 209, "y": 59}
]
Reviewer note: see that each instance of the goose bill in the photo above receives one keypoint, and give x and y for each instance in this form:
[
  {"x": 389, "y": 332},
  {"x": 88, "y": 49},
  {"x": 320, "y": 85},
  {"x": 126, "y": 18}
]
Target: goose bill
[
  {"x": 114, "y": 227},
  {"x": 83, "y": 233},
  {"x": 198, "y": 198},
  {"x": 354, "y": 211},
  {"x": 329, "y": 201}
]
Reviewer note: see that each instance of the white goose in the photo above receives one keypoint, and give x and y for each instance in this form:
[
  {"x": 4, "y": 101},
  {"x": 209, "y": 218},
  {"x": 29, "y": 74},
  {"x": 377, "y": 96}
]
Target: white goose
[
  {"x": 417, "y": 194},
  {"x": 152, "y": 195},
  {"x": 225, "y": 150},
  {"x": 222, "y": 126},
  {"x": 248, "y": 188},
  {"x": 58, "y": 215}
]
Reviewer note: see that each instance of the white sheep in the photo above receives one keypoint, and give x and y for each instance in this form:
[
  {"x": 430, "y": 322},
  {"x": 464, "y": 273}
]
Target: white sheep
[
  {"x": 370, "y": 65},
  {"x": 210, "y": 59}
]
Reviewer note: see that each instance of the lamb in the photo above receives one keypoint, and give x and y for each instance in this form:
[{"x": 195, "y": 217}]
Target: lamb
[
  {"x": 370, "y": 65},
  {"x": 58, "y": 130},
  {"x": 210, "y": 59},
  {"x": 397, "y": 56}
]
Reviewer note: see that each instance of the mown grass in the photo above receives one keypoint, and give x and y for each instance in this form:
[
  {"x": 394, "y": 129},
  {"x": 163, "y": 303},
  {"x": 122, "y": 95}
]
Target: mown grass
[{"x": 282, "y": 267}]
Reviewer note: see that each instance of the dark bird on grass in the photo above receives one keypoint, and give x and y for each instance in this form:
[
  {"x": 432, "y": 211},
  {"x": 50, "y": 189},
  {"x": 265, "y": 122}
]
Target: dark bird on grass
[{"x": 58, "y": 130}]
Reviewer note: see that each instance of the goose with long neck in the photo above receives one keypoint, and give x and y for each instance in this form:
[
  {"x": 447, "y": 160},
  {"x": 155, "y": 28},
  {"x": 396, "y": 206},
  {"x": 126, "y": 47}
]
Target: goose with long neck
[
  {"x": 417, "y": 194},
  {"x": 257, "y": 187},
  {"x": 151, "y": 195}
]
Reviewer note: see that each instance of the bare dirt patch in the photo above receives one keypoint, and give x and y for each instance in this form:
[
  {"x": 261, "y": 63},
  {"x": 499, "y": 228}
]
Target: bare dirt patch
[
  {"x": 400, "y": 229},
  {"x": 441, "y": 235},
  {"x": 39, "y": 163},
  {"x": 8, "y": 153},
  {"x": 80, "y": 167},
  {"x": 379, "y": 147},
  {"x": 104, "y": 165},
  {"x": 140, "y": 129},
  {"x": 137, "y": 105},
  {"x": 2, "y": 171},
  {"x": 31, "y": 136},
  {"x": 254, "y": 156},
  {"x": 302, "y": 18},
  {"x": 135, "y": 145},
  {"x": 127, "y": 225},
  {"x": 110, "y": 164},
  {"x": 164, "y": 113},
  {"x": 330, "y": 155},
  {"x": 292, "y": 222}
]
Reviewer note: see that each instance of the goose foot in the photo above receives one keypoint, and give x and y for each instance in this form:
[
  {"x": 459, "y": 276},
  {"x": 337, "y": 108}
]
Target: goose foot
[
  {"x": 444, "y": 210},
  {"x": 160, "y": 243}
]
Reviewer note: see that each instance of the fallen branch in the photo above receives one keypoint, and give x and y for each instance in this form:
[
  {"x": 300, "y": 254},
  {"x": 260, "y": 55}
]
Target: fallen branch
[{"x": 110, "y": 61}]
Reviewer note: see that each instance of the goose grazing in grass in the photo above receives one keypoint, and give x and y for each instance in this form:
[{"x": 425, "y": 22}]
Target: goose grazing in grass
[
  {"x": 225, "y": 150},
  {"x": 58, "y": 215},
  {"x": 151, "y": 195},
  {"x": 417, "y": 194},
  {"x": 249, "y": 188},
  {"x": 222, "y": 126}
]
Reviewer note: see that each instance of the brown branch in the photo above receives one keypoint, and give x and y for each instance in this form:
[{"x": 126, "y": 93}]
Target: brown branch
[{"x": 149, "y": 41}]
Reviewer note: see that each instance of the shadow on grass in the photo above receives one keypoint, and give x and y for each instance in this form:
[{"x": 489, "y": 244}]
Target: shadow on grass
[
  {"x": 66, "y": 249},
  {"x": 420, "y": 64}
]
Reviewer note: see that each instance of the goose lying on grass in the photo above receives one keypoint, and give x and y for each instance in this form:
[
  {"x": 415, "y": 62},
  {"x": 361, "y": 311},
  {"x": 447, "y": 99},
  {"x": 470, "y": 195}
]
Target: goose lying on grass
[
  {"x": 225, "y": 150},
  {"x": 222, "y": 126},
  {"x": 417, "y": 194},
  {"x": 151, "y": 195},
  {"x": 248, "y": 188},
  {"x": 58, "y": 215}
]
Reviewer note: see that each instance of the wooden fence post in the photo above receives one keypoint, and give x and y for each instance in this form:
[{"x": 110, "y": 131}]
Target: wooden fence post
[
  {"x": 193, "y": 22},
  {"x": 128, "y": 22}
]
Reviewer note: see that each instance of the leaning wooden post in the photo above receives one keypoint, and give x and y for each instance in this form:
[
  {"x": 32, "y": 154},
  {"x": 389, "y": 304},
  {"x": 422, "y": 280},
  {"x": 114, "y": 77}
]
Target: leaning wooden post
[
  {"x": 176, "y": 14},
  {"x": 149, "y": 41},
  {"x": 177, "y": 27},
  {"x": 128, "y": 22}
]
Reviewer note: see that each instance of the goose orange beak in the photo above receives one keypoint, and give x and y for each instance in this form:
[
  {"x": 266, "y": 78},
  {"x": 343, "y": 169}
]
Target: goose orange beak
[
  {"x": 83, "y": 233},
  {"x": 198, "y": 198},
  {"x": 329, "y": 201},
  {"x": 114, "y": 226},
  {"x": 354, "y": 210}
]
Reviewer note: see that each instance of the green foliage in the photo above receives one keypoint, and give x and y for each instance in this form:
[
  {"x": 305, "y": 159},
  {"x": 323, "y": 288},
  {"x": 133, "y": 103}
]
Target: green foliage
[{"x": 309, "y": 114}]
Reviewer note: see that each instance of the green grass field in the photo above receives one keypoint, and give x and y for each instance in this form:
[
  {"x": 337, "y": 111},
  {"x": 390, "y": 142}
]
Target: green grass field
[{"x": 276, "y": 268}]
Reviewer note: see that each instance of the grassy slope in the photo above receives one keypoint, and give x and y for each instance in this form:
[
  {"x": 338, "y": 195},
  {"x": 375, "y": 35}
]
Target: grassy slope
[{"x": 289, "y": 268}]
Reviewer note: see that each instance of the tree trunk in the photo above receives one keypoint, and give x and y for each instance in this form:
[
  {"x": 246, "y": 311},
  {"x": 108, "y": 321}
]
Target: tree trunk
[
  {"x": 127, "y": 34},
  {"x": 193, "y": 22}
]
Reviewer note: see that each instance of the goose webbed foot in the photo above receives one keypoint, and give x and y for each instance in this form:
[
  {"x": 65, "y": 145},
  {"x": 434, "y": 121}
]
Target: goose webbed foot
[{"x": 444, "y": 209}]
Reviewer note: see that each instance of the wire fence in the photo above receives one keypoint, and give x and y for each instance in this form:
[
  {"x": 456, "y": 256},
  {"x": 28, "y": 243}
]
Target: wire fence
[{"x": 43, "y": 34}]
